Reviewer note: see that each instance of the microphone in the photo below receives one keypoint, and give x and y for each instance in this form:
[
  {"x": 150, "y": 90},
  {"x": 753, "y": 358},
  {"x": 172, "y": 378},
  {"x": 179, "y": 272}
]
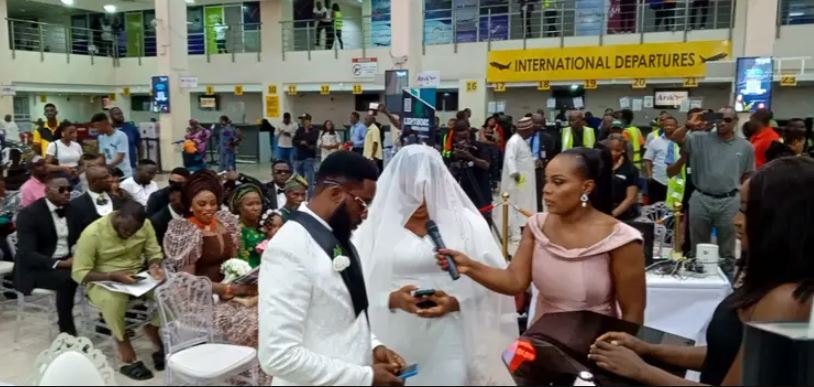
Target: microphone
[{"x": 435, "y": 235}]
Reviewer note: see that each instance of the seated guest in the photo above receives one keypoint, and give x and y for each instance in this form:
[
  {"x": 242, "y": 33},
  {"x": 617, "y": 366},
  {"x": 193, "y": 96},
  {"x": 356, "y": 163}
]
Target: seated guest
[
  {"x": 275, "y": 189},
  {"x": 116, "y": 177},
  {"x": 44, "y": 250},
  {"x": 776, "y": 228},
  {"x": 87, "y": 161},
  {"x": 34, "y": 188},
  {"x": 141, "y": 185},
  {"x": 111, "y": 249},
  {"x": 625, "y": 191},
  {"x": 576, "y": 254},
  {"x": 295, "y": 190},
  {"x": 97, "y": 202},
  {"x": 174, "y": 210},
  {"x": 160, "y": 199},
  {"x": 246, "y": 202},
  {"x": 200, "y": 243},
  {"x": 9, "y": 207}
]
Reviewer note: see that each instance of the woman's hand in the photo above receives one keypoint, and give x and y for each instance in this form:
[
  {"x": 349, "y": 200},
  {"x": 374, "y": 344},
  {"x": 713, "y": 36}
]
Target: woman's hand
[
  {"x": 464, "y": 264},
  {"x": 444, "y": 304},
  {"x": 618, "y": 360},
  {"x": 403, "y": 299},
  {"x": 244, "y": 290},
  {"x": 641, "y": 348}
]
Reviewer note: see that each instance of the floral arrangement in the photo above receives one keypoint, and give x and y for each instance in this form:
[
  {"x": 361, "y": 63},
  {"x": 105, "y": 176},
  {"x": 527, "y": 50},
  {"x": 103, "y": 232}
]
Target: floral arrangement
[{"x": 233, "y": 269}]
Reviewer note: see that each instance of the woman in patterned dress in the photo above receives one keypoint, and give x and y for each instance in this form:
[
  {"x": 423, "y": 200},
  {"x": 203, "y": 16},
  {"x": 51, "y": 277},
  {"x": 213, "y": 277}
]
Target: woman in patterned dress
[{"x": 246, "y": 202}]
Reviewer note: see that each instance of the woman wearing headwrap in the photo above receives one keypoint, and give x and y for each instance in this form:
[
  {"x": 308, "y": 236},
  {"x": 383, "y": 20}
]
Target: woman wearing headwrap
[
  {"x": 295, "y": 190},
  {"x": 200, "y": 243},
  {"x": 246, "y": 202}
]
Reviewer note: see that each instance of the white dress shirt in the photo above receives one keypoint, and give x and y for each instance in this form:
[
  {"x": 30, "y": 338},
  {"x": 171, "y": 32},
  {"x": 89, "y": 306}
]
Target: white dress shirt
[
  {"x": 61, "y": 226},
  {"x": 174, "y": 214},
  {"x": 309, "y": 332},
  {"x": 101, "y": 210},
  {"x": 139, "y": 193}
]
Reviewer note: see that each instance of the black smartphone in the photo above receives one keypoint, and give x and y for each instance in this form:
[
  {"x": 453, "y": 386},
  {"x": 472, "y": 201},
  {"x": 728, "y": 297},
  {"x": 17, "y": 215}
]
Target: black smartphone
[
  {"x": 421, "y": 293},
  {"x": 712, "y": 117},
  {"x": 138, "y": 278}
]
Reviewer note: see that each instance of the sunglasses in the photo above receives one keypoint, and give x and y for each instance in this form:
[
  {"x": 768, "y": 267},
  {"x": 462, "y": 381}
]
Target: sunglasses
[
  {"x": 728, "y": 120},
  {"x": 64, "y": 189}
]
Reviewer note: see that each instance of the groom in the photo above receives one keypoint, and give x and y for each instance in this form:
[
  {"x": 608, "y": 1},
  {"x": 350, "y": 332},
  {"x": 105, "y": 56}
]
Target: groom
[{"x": 313, "y": 304}]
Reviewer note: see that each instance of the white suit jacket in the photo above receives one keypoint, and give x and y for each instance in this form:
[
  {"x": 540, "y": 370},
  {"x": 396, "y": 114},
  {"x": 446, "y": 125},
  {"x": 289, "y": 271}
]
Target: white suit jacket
[{"x": 309, "y": 333}]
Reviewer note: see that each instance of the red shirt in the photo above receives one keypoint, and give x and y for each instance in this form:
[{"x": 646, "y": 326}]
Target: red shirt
[{"x": 761, "y": 142}]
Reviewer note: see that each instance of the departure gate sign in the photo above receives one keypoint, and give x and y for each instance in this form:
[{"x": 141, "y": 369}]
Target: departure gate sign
[{"x": 650, "y": 60}]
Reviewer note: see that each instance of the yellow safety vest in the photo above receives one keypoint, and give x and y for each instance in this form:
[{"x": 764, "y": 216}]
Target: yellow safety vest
[
  {"x": 676, "y": 184},
  {"x": 635, "y": 136},
  {"x": 588, "y": 138},
  {"x": 338, "y": 22}
]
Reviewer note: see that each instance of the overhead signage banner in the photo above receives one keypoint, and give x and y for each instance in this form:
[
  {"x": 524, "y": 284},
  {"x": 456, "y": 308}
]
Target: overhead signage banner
[
  {"x": 418, "y": 118},
  {"x": 650, "y": 60}
]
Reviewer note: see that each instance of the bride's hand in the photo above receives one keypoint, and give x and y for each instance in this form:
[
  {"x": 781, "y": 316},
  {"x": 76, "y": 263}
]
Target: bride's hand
[
  {"x": 464, "y": 264},
  {"x": 403, "y": 299},
  {"x": 444, "y": 304}
]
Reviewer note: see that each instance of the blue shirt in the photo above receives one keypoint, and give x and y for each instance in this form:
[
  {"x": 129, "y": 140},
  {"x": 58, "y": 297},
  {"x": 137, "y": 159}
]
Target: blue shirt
[
  {"x": 357, "y": 134},
  {"x": 133, "y": 141},
  {"x": 114, "y": 144}
]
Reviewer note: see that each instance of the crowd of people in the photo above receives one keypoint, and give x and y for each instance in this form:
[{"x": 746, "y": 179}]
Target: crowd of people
[{"x": 345, "y": 248}]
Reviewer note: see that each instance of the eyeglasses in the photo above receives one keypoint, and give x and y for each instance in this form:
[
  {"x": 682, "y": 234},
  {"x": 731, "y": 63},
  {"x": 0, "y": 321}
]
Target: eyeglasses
[
  {"x": 728, "y": 120},
  {"x": 64, "y": 189},
  {"x": 362, "y": 202}
]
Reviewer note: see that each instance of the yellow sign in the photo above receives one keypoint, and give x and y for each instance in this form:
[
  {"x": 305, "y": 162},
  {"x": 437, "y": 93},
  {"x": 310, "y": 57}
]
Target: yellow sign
[
  {"x": 590, "y": 84},
  {"x": 544, "y": 86},
  {"x": 43, "y": 98},
  {"x": 210, "y": 90},
  {"x": 325, "y": 89},
  {"x": 788, "y": 80},
  {"x": 126, "y": 91},
  {"x": 691, "y": 82},
  {"x": 272, "y": 89},
  {"x": 649, "y": 60},
  {"x": 357, "y": 89},
  {"x": 272, "y": 106},
  {"x": 292, "y": 89},
  {"x": 113, "y": 97},
  {"x": 471, "y": 86},
  {"x": 239, "y": 90},
  {"x": 500, "y": 87},
  {"x": 639, "y": 83}
]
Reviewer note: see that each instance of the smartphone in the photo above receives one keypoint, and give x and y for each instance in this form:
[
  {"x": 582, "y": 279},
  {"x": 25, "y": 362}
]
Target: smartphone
[
  {"x": 421, "y": 293},
  {"x": 374, "y": 106},
  {"x": 138, "y": 278},
  {"x": 712, "y": 117},
  {"x": 409, "y": 371}
]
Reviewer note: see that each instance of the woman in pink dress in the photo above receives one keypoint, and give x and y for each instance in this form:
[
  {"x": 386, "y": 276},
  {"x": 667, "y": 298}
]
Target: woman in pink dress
[{"x": 577, "y": 256}]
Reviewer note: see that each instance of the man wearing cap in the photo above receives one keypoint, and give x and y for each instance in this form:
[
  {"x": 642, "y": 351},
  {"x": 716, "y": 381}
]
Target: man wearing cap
[
  {"x": 34, "y": 188},
  {"x": 305, "y": 141},
  {"x": 519, "y": 176},
  {"x": 577, "y": 134}
]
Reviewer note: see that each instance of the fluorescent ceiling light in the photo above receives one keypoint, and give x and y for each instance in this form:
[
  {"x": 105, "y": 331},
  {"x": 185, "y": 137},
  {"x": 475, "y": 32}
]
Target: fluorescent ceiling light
[
  {"x": 67, "y": 2},
  {"x": 574, "y": 87},
  {"x": 190, "y": 1},
  {"x": 110, "y": 8}
]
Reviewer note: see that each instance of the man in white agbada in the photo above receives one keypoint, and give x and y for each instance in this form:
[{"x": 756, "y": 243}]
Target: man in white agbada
[
  {"x": 313, "y": 304},
  {"x": 455, "y": 335},
  {"x": 518, "y": 178}
]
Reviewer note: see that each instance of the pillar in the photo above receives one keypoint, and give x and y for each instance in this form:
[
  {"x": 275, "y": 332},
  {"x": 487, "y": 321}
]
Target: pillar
[
  {"x": 6, "y": 103},
  {"x": 173, "y": 61},
  {"x": 273, "y": 12},
  {"x": 475, "y": 100},
  {"x": 407, "y": 30}
]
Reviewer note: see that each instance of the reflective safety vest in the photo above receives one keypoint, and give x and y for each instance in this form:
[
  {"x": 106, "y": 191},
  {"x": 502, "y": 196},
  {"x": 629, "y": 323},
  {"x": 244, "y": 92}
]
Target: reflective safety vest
[
  {"x": 338, "y": 20},
  {"x": 676, "y": 184},
  {"x": 588, "y": 138},
  {"x": 636, "y": 140}
]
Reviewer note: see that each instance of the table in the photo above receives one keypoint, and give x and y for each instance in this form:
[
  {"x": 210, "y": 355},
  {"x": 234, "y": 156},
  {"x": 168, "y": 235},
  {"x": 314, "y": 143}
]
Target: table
[
  {"x": 684, "y": 306},
  {"x": 681, "y": 306}
]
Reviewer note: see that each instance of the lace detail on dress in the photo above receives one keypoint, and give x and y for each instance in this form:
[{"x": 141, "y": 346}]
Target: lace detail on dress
[
  {"x": 183, "y": 242},
  {"x": 232, "y": 225}
]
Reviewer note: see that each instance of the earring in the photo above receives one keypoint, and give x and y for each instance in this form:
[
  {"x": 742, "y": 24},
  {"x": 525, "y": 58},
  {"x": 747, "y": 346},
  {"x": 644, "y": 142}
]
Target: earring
[{"x": 584, "y": 199}]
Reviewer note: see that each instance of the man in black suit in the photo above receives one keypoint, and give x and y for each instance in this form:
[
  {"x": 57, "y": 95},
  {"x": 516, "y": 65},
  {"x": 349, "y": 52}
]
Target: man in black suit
[
  {"x": 275, "y": 189},
  {"x": 175, "y": 210},
  {"x": 544, "y": 146},
  {"x": 96, "y": 202},
  {"x": 161, "y": 198},
  {"x": 46, "y": 237}
]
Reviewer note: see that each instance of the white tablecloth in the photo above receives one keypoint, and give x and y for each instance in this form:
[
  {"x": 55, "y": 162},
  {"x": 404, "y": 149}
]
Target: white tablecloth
[
  {"x": 679, "y": 306},
  {"x": 684, "y": 306}
]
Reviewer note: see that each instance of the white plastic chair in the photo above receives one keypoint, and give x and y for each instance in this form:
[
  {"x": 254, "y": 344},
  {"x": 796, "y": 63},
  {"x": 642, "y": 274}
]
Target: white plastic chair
[
  {"x": 72, "y": 361},
  {"x": 42, "y": 301},
  {"x": 187, "y": 314}
]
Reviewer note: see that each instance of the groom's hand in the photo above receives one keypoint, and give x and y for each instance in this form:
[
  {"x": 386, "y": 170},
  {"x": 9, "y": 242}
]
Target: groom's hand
[
  {"x": 386, "y": 375},
  {"x": 382, "y": 355}
]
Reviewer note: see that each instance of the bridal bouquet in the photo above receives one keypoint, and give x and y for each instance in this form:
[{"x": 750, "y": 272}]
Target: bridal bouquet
[{"x": 233, "y": 269}]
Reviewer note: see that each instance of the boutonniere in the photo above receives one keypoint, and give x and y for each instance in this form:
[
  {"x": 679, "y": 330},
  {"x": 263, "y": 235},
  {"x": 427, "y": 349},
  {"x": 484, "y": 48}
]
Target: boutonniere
[{"x": 341, "y": 262}]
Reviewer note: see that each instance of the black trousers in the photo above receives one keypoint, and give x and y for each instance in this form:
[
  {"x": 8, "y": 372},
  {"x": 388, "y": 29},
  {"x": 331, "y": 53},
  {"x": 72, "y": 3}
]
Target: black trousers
[
  {"x": 540, "y": 184},
  {"x": 60, "y": 281},
  {"x": 656, "y": 191}
]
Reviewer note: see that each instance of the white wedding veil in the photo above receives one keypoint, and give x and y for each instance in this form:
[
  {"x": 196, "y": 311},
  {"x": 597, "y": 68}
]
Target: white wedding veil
[{"x": 416, "y": 173}]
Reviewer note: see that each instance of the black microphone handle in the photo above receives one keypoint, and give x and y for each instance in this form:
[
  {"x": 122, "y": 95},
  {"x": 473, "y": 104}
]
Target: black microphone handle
[{"x": 439, "y": 243}]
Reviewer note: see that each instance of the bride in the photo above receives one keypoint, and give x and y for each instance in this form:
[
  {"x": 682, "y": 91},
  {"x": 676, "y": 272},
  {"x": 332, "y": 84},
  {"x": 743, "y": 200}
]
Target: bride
[{"x": 456, "y": 334}]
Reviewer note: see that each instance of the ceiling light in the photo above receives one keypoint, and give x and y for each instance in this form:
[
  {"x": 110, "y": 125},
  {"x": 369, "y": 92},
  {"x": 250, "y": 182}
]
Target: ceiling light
[
  {"x": 190, "y": 1},
  {"x": 110, "y": 8},
  {"x": 574, "y": 87},
  {"x": 67, "y": 2}
]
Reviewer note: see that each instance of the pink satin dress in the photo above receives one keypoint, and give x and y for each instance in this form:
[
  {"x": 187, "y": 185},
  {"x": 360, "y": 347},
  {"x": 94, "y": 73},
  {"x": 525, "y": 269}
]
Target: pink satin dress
[{"x": 577, "y": 279}]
